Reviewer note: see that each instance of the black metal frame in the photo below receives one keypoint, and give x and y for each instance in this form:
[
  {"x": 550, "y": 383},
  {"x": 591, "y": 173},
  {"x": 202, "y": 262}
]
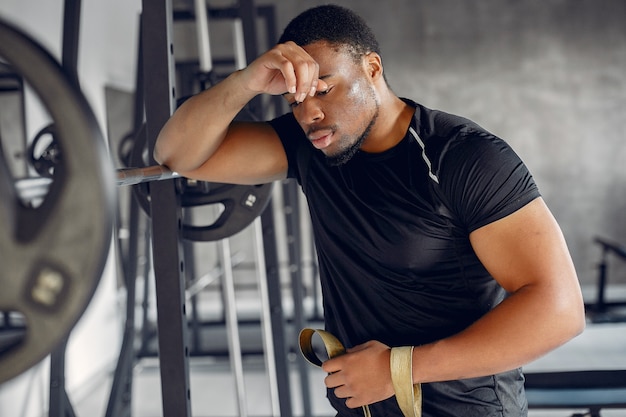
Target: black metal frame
[
  {"x": 602, "y": 310},
  {"x": 292, "y": 217},
  {"x": 60, "y": 405},
  {"x": 565, "y": 390},
  {"x": 166, "y": 214},
  {"x": 120, "y": 397},
  {"x": 247, "y": 12}
]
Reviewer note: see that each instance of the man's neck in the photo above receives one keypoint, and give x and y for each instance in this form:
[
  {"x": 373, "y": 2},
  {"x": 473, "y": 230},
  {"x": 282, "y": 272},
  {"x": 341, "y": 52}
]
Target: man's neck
[{"x": 391, "y": 125}]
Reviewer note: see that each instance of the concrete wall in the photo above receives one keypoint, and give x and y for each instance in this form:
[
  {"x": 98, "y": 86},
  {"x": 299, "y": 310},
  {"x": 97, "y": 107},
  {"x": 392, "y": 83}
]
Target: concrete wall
[{"x": 548, "y": 76}]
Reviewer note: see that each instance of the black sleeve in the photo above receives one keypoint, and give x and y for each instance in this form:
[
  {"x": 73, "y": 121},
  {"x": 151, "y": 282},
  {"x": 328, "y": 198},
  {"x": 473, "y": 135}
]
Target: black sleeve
[
  {"x": 292, "y": 137},
  {"x": 484, "y": 179}
]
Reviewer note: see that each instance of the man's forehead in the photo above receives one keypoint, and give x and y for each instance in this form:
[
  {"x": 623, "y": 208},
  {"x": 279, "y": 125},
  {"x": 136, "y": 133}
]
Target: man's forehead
[
  {"x": 323, "y": 46},
  {"x": 329, "y": 57}
]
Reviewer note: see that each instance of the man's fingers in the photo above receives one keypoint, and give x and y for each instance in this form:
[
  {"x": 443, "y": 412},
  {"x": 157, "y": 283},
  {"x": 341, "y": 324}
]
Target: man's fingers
[
  {"x": 343, "y": 391},
  {"x": 313, "y": 88},
  {"x": 321, "y": 85},
  {"x": 289, "y": 75},
  {"x": 331, "y": 365},
  {"x": 298, "y": 71},
  {"x": 304, "y": 68},
  {"x": 354, "y": 403},
  {"x": 306, "y": 74},
  {"x": 334, "y": 379}
]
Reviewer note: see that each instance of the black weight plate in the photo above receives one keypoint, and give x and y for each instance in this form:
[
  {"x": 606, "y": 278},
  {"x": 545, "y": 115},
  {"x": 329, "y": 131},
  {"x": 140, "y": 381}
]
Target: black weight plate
[
  {"x": 44, "y": 152},
  {"x": 241, "y": 203},
  {"x": 52, "y": 256}
]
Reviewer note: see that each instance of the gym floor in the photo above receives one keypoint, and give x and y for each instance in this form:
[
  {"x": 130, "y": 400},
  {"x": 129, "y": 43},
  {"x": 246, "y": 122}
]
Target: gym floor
[{"x": 601, "y": 346}]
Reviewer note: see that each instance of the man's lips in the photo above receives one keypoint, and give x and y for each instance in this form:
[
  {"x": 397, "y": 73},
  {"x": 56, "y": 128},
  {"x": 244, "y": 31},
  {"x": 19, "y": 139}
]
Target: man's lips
[{"x": 321, "y": 138}]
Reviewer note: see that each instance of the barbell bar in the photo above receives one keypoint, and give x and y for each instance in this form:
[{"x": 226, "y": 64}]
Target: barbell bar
[
  {"x": 44, "y": 154},
  {"x": 33, "y": 188},
  {"x": 132, "y": 176},
  {"x": 239, "y": 204}
]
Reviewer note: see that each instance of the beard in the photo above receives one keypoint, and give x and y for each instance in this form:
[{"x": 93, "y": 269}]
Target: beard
[{"x": 346, "y": 154}]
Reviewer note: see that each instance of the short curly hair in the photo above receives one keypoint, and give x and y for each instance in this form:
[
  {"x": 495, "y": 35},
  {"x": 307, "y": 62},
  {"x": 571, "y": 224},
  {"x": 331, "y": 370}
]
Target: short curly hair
[{"x": 334, "y": 24}]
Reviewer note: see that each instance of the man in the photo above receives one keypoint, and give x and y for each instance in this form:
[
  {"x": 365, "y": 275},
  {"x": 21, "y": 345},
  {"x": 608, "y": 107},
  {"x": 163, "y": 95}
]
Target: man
[{"x": 430, "y": 231}]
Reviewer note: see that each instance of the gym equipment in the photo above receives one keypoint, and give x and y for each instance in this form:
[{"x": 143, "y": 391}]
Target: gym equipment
[
  {"x": 292, "y": 223},
  {"x": 133, "y": 176},
  {"x": 239, "y": 204},
  {"x": 165, "y": 211},
  {"x": 44, "y": 152},
  {"x": 173, "y": 351},
  {"x": 52, "y": 255},
  {"x": 602, "y": 310},
  {"x": 592, "y": 390},
  {"x": 56, "y": 157}
]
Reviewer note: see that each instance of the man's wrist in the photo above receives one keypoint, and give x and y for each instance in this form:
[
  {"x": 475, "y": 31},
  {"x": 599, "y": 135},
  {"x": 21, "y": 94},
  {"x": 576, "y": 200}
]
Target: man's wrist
[{"x": 408, "y": 395}]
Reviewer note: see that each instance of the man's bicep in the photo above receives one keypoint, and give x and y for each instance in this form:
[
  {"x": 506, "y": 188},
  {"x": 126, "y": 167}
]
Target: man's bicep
[{"x": 525, "y": 248}]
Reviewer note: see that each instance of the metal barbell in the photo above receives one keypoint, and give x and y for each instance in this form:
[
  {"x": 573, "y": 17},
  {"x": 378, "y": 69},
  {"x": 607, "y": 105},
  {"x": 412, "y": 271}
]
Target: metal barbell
[
  {"x": 33, "y": 188},
  {"x": 132, "y": 176}
]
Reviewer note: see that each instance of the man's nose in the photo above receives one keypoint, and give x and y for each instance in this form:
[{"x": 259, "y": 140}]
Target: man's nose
[{"x": 309, "y": 111}]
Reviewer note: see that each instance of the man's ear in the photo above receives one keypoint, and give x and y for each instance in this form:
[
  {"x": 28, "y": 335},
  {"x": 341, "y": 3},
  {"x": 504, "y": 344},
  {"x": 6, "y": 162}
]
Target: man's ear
[{"x": 373, "y": 65}]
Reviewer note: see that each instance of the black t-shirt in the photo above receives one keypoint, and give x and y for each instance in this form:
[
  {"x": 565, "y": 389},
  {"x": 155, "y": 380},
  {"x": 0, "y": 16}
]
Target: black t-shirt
[{"x": 392, "y": 231}]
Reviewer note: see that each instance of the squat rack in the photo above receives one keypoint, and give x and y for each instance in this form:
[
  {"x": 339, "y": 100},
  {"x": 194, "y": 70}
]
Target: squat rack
[
  {"x": 169, "y": 264},
  {"x": 173, "y": 350}
]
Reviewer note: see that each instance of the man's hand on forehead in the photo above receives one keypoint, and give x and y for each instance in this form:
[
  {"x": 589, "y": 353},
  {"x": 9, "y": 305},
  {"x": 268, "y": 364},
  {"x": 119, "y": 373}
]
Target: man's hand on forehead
[
  {"x": 301, "y": 72},
  {"x": 300, "y": 94},
  {"x": 317, "y": 86},
  {"x": 286, "y": 69}
]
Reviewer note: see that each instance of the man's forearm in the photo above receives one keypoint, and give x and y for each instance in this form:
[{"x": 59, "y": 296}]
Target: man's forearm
[
  {"x": 522, "y": 328},
  {"x": 197, "y": 128}
]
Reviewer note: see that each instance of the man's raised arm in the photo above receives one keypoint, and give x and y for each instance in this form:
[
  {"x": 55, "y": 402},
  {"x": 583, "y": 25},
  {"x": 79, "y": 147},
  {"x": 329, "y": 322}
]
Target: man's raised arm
[{"x": 201, "y": 140}]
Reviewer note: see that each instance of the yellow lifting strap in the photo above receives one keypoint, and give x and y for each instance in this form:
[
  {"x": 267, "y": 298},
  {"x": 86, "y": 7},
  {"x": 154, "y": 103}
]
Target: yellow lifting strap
[{"x": 408, "y": 395}]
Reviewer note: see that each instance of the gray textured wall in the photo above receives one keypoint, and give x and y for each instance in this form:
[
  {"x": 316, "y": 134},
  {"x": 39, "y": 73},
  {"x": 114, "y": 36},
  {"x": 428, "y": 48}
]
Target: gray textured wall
[{"x": 549, "y": 76}]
